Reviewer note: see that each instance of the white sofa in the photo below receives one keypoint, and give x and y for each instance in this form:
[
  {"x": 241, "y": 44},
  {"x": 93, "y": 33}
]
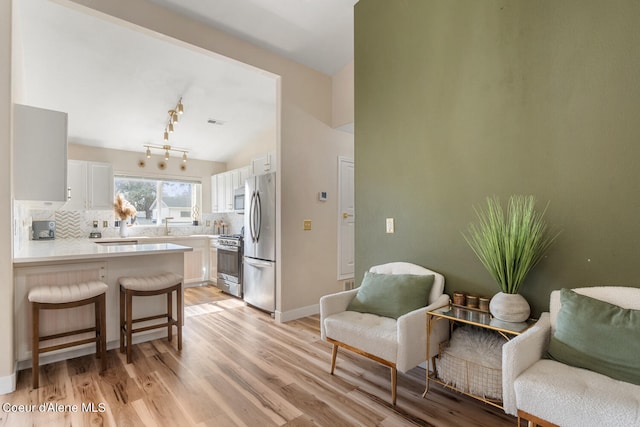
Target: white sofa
[
  {"x": 400, "y": 344},
  {"x": 549, "y": 392}
]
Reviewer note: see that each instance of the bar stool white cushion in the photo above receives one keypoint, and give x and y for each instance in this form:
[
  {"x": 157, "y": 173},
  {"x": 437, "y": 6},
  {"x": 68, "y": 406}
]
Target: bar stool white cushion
[
  {"x": 67, "y": 293},
  {"x": 150, "y": 283}
]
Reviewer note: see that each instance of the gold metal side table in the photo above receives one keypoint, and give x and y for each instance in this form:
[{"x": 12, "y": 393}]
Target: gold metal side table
[{"x": 462, "y": 315}]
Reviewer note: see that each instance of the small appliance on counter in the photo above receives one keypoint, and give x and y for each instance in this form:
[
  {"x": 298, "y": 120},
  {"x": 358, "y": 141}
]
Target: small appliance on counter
[
  {"x": 95, "y": 235},
  {"x": 43, "y": 230}
]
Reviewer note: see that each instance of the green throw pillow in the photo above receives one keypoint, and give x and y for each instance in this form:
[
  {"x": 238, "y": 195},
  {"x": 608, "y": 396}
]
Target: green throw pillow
[
  {"x": 598, "y": 336},
  {"x": 391, "y": 295}
]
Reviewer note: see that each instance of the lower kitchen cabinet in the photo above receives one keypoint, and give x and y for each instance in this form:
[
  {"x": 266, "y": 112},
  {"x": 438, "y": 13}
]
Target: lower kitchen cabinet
[
  {"x": 213, "y": 261},
  {"x": 195, "y": 263}
]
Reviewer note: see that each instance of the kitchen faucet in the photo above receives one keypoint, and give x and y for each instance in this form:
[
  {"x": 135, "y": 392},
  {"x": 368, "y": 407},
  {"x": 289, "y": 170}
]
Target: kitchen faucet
[{"x": 167, "y": 232}]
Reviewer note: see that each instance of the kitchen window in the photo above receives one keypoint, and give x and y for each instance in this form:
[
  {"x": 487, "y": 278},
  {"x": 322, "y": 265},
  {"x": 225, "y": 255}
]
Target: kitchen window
[{"x": 156, "y": 199}]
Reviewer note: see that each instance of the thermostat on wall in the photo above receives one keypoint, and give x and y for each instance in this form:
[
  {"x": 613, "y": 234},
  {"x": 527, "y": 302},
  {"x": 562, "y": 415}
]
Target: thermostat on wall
[{"x": 322, "y": 196}]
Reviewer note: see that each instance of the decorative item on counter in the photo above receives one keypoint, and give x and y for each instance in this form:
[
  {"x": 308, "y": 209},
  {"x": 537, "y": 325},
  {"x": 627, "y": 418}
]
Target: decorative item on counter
[
  {"x": 472, "y": 301},
  {"x": 195, "y": 214},
  {"x": 123, "y": 210},
  {"x": 220, "y": 227},
  {"x": 509, "y": 246},
  {"x": 459, "y": 298}
]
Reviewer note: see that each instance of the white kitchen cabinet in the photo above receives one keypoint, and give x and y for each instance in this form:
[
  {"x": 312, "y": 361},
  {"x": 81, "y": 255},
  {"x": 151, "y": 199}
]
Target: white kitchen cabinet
[
  {"x": 245, "y": 173},
  {"x": 196, "y": 262},
  {"x": 223, "y": 186},
  {"x": 76, "y": 186},
  {"x": 100, "y": 185},
  {"x": 89, "y": 185},
  {"x": 213, "y": 261},
  {"x": 39, "y": 154},
  {"x": 219, "y": 192},
  {"x": 263, "y": 164}
]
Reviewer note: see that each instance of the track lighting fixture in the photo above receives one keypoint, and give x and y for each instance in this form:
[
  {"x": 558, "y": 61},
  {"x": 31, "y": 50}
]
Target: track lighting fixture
[
  {"x": 173, "y": 119},
  {"x": 167, "y": 149},
  {"x": 169, "y": 128}
]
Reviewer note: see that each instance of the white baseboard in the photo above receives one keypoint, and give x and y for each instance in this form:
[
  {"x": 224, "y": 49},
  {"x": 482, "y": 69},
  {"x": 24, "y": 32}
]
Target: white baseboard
[
  {"x": 8, "y": 383},
  {"x": 298, "y": 313}
]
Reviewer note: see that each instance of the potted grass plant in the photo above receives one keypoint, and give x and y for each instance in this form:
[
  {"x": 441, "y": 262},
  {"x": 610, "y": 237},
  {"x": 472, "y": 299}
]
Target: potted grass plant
[{"x": 509, "y": 245}]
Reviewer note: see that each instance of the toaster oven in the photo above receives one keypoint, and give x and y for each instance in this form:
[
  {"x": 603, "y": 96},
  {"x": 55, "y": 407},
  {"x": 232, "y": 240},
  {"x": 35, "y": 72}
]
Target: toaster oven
[{"x": 43, "y": 230}]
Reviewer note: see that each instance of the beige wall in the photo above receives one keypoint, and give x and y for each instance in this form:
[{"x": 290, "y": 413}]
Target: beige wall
[
  {"x": 264, "y": 143},
  {"x": 342, "y": 110},
  {"x": 307, "y": 152},
  {"x": 7, "y": 359}
]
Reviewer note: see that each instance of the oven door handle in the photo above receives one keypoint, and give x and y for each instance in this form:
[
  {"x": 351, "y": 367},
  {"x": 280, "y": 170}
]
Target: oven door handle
[{"x": 227, "y": 248}]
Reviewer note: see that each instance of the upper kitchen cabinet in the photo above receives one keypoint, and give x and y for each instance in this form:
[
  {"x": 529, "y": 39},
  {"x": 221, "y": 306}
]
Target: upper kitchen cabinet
[
  {"x": 223, "y": 185},
  {"x": 39, "y": 154},
  {"x": 90, "y": 186},
  {"x": 264, "y": 164}
]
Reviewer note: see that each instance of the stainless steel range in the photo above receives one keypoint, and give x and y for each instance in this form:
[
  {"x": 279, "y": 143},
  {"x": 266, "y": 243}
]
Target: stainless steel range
[{"x": 230, "y": 264}]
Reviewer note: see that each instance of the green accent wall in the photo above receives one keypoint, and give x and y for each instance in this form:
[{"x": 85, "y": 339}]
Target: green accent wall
[{"x": 457, "y": 100}]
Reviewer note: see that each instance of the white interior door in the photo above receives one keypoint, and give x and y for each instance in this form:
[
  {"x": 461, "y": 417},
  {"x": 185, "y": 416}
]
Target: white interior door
[{"x": 346, "y": 219}]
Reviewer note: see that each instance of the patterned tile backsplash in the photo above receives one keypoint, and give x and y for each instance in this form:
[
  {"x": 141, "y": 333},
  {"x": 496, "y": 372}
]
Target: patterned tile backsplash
[{"x": 78, "y": 224}]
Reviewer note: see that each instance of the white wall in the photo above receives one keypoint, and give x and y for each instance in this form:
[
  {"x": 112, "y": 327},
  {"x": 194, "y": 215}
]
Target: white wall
[{"x": 307, "y": 151}]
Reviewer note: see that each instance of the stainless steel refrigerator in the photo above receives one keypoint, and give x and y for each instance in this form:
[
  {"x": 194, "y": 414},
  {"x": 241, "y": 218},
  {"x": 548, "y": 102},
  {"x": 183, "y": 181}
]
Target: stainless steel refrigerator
[{"x": 259, "y": 269}]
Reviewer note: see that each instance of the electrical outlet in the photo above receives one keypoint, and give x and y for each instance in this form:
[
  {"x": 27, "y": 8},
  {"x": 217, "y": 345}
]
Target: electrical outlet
[
  {"x": 390, "y": 225},
  {"x": 307, "y": 224},
  {"x": 95, "y": 224}
]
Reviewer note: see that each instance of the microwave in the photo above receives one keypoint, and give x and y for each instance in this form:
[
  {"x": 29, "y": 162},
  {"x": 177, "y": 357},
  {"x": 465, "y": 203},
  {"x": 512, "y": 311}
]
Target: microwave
[{"x": 238, "y": 200}]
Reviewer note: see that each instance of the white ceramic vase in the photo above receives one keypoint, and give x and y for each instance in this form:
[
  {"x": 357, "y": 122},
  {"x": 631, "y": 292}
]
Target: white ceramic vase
[
  {"x": 509, "y": 307},
  {"x": 124, "y": 231}
]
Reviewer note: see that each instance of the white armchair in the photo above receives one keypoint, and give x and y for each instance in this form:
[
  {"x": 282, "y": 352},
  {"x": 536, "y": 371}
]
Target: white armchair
[
  {"x": 550, "y": 393},
  {"x": 398, "y": 343}
]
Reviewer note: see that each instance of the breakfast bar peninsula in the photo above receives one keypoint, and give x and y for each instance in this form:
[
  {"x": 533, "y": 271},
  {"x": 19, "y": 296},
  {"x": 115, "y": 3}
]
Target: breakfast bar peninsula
[{"x": 68, "y": 261}]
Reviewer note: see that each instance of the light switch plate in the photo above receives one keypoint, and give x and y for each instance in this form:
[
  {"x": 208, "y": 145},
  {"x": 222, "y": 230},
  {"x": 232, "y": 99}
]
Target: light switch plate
[
  {"x": 307, "y": 224},
  {"x": 390, "y": 225}
]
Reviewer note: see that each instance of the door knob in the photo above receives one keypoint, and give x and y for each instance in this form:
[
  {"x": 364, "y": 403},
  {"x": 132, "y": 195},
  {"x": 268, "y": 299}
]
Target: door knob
[{"x": 346, "y": 215}]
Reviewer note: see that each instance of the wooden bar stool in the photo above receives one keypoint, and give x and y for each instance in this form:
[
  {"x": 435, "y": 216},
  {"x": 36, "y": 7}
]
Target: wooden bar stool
[
  {"x": 165, "y": 283},
  {"x": 61, "y": 297}
]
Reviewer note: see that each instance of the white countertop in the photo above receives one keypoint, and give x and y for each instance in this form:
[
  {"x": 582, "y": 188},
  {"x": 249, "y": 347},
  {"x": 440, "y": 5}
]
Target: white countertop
[{"x": 36, "y": 251}]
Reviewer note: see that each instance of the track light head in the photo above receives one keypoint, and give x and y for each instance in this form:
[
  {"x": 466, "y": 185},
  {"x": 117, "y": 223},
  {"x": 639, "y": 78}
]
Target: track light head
[
  {"x": 184, "y": 157},
  {"x": 148, "y": 153}
]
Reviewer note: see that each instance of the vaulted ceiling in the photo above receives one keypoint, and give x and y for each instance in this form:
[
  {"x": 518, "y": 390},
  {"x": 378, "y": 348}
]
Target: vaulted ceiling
[{"x": 117, "y": 84}]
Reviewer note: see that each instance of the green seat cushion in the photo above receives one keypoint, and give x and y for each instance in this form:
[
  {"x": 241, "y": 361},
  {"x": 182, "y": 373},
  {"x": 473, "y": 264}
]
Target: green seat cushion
[
  {"x": 598, "y": 336},
  {"x": 391, "y": 295}
]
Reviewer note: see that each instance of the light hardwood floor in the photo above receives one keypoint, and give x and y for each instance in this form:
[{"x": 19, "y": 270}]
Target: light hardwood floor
[{"x": 238, "y": 367}]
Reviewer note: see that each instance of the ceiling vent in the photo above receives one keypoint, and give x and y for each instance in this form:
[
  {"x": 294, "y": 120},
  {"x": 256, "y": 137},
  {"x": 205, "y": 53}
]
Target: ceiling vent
[{"x": 215, "y": 122}]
